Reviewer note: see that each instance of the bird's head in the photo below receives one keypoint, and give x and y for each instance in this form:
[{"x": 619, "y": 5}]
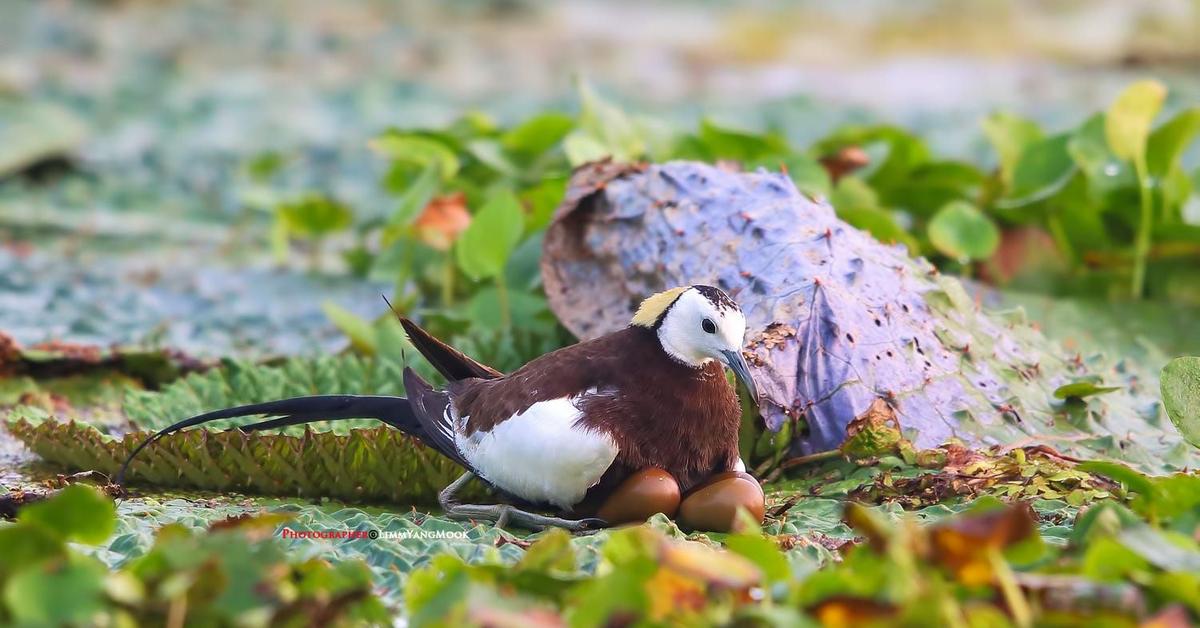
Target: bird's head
[{"x": 696, "y": 324}]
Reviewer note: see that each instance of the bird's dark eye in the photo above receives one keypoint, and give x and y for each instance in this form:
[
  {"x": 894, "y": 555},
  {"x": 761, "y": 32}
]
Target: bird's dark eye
[{"x": 709, "y": 326}]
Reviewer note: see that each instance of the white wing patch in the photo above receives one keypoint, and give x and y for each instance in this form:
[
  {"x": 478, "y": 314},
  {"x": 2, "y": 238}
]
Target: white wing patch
[{"x": 540, "y": 454}]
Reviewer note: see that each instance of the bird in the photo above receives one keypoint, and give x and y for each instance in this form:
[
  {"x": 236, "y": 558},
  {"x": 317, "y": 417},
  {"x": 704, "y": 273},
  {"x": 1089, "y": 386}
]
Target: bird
[{"x": 606, "y": 431}]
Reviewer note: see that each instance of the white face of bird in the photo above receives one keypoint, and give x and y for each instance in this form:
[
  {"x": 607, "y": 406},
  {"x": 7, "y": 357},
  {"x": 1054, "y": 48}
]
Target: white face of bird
[
  {"x": 704, "y": 324},
  {"x": 696, "y": 329}
]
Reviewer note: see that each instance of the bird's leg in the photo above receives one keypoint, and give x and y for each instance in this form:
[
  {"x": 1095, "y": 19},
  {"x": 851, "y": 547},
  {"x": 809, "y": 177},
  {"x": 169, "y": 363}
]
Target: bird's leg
[
  {"x": 503, "y": 518},
  {"x": 446, "y": 497},
  {"x": 507, "y": 513},
  {"x": 502, "y": 514}
]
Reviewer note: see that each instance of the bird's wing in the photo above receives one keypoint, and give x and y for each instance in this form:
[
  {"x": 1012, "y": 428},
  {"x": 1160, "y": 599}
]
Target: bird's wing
[
  {"x": 431, "y": 409},
  {"x": 543, "y": 454},
  {"x": 524, "y": 432},
  {"x": 568, "y": 372},
  {"x": 450, "y": 362}
]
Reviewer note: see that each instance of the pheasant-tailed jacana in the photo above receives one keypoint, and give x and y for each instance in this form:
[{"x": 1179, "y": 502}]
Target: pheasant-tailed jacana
[{"x": 611, "y": 430}]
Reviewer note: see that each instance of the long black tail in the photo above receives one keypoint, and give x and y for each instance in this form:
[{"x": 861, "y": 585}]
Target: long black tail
[{"x": 394, "y": 411}]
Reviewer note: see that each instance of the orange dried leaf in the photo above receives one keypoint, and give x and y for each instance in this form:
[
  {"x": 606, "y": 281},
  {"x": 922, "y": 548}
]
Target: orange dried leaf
[
  {"x": 845, "y": 161},
  {"x": 1174, "y": 616},
  {"x": 443, "y": 220},
  {"x": 671, "y": 592},
  {"x": 840, "y": 611},
  {"x": 963, "y": 543},
  {"x": 714, "y": 568}
]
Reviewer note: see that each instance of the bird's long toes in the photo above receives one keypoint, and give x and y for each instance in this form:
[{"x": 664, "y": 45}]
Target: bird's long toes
[
  {"x": 590, "y": 524},
  {"x": 536, "y": 522},
  {"x": 532, "y": 521}
]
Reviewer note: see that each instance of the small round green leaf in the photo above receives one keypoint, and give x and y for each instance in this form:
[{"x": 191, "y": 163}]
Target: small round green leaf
[
  {"x": 538, "y": 134},
  {"x": 881, "y": 224},
  {"x": 58, "y": 593},
  {"x": 483, "y": 249},
  {"x": 77, "y": 513},
  {"x": 1168, "y": 142},
  {"x": 961, "y": 231},
  {"x": 1043, "y": 169},
  {"x": 1180, "y": 387},
  {"x": 315, "y": 215}
]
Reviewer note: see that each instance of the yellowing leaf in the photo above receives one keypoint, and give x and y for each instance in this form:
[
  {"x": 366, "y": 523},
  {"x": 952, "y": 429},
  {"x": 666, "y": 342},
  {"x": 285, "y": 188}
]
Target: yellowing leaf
[
  {"x": 873, "y": 433},
  {"x": 1127, "y": 123}
]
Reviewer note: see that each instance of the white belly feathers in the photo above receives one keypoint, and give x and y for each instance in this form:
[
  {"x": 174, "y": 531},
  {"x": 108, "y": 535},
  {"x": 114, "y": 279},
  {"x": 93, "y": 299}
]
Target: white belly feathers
[{"x": 540, "y": 454}]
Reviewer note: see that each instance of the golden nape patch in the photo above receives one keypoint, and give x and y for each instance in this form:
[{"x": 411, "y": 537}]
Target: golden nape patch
[{"x": 654, "y": 305}]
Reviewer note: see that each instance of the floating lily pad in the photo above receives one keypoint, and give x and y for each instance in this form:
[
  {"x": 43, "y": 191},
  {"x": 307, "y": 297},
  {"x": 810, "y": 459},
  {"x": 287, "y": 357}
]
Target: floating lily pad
[{"x": 31, "y": 133}]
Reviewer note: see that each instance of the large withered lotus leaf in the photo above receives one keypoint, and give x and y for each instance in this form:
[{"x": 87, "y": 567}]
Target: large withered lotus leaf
[{"x": 835, "y": 318}]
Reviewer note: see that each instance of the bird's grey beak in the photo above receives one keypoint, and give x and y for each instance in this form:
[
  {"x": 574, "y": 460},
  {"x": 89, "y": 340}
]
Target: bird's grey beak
[{"x": 737, "y": 364}]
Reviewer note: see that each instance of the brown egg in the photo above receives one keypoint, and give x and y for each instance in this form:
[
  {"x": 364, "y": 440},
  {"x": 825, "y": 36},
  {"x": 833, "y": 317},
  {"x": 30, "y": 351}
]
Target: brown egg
[
  {"x": 641, "y": 495},
  {"x": 712, "y": 506}
]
